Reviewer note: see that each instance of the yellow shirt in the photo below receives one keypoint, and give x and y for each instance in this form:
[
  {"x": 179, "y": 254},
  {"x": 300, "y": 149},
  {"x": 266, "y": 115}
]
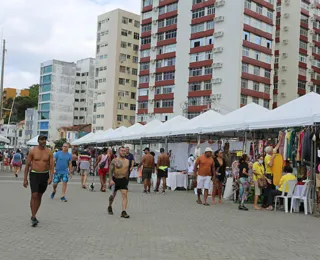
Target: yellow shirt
[
  {"x": 259, "y": 169},
  {"x": 284, "y": 179},
  {"x": 267, "y": 160}
]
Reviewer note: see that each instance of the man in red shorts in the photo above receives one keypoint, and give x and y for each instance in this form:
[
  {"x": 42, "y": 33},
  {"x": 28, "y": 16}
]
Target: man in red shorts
[{"x": 103, "y": 162}]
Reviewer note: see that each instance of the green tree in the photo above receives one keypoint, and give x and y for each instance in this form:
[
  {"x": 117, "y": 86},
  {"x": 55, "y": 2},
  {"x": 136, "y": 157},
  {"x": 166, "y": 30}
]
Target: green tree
[
  {"x": 59, "y": 143},
  {"x": 34, "y": 92}
]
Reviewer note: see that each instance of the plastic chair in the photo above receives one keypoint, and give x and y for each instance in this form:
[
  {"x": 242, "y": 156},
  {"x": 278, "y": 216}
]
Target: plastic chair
[
  {"x": 291, "y": 185},
  {"x": 305, "y": 197}
]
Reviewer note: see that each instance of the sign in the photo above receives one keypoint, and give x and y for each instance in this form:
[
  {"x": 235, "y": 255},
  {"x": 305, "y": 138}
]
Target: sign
[{"x": 239, "y": 153}]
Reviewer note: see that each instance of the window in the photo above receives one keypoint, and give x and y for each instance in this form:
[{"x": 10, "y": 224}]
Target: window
[
  {"x": 267, "y": 58},
  {"x": 143, "y": 105},
  {"x": 45, "y": 106},
  {"x": 146, "y": 27},
  {"x": 257, "y": 55},
  {"x": 198, "y": 13},
  {"x": 195, "y": 72},
  {"x": 143, "y": 92},
  {"x": 120, "y": 93},
  {"x": 244, "y": 100},
  {"x": 167, "y": 103},
  {"x": 245, "y": 67},
  {"x": 124, "y": 32},
  {"x": 301, "y": 84},
  {"x": 136, "y": 36},
  {"x": 257, "y": 39},
  {"x": 208, "y": 70},
  {"x": 256, "y": 70},
  {"x": 266, "y": 89},
  {"x": 247, "y": 4},
  {"x": 303, "y": 45},
  {"x": 303, "y": 32},
  {"x": 134, "y": 72},
  {"x": 44, "y": 115},
  {"x": 195, "y": 86},
  {"x": 171, "y": 34},
  {"x": 267, "y": 74},
  {"x": 171, "y": 21},
  {"x": 207, "y": 85},
  {"x": 302, "y": 71},
  {"x": 46, "y": 79},
  {"x": 266, "y": 103},
  {"x": 120, "y": 106},
  {"x": 246, "y": 36},
  {"x": 161, "y": 23},
  {"x": 119, "y": 118},
  {"x": 147, "y": 3},
  {"x": 122, "y": 81},
  {"x": 244, "y": 83},
  {"x": 245, "y": 52},
  {"x": 269, "y": 14},
  {"x": 122, "y": 69},
  {"x": 146, "y": 40},
  {"x": 132, "y": 107},
  {"x": 172, "y": 7},
  {"x": 167, "y": 89},
  {"x": 135, "y": 59},
  {"x": 125, "y": 20},
  {"x": 210, "y": 25},
  {"x": 276, "y": 59},
  {"x": 256, "y": 86},
  {"x": 211, "y": 10},
  {"x": 247, "y": 19},
  {"x": 144, "y": 66},
  {"x": 192, "y": 114},
  {"x": 136, "y": 24},
  {"x": 269, "y": 44},
  {"x": 144, "y": 79},
  {"x": 168, "y": 76},
  {"x": 45, "y": 97},
  {"x": 45, "y": 87},
  {"x": 147, "y": 15},
  {"x": 255, "y": 100},
  {"x": 47, "y": 69},
  {"x": 145, "y": 53},
  {"x": 259, "y": 9},
  {"x": 197, "y": 28},
  {"x": 133, "y": 95}
]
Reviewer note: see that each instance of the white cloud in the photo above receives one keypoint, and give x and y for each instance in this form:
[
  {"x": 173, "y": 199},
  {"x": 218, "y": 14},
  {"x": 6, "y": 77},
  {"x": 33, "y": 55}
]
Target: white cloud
[{"x": 40, "y": 30}]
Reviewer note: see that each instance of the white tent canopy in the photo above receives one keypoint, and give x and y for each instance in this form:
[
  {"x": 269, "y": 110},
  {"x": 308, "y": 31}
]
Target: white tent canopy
[
  {"x": 82, "y": 139},
  {"x": 34, "y": 141},
  {"x": 138, "y": 133},
  {"x": 97, "y": 137},
  {"x": 192, "y": 126},
  {"x": 166, "y": 128},
  {"x": 236, "y": 120},
  {"x": 4, "y": 139},
  {"x": 127, "y": 132},
  {"x": 110, "y": 135},
  {"x": 302, "y": 111}
]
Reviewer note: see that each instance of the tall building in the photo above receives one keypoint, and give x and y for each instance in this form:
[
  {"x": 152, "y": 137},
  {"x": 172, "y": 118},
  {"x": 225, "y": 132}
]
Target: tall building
[
  {"x": 84, "y": 90},
  {"x": 31, "y": 123},
  {"x": 197, "y": 55},
  {"x": 116, "y": 69},
  {"x": 297, "y": 54},
  {"x": 56, "y": 97}
]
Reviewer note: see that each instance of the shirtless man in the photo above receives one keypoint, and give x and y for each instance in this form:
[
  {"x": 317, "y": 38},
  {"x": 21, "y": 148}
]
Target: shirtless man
[
  {"x": 119, "y": 179},
  {"x": 39, "y": 163},
  {"x": 148, "y": 167}
]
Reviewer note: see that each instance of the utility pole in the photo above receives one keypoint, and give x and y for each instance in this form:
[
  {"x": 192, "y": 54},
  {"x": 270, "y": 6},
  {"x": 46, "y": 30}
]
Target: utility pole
[{"x": 2, "y": 80}]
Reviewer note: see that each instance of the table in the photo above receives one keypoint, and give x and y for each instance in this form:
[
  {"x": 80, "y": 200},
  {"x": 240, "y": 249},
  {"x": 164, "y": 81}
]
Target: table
[{"x": 177, "y": 179}]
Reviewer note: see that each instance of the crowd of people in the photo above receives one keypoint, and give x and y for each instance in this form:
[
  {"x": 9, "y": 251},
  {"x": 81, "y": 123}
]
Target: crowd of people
[{"x": 12, "y": 161}]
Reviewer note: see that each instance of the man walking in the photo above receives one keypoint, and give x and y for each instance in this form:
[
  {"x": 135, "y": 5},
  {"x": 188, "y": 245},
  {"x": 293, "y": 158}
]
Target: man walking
[
  {"x": 63, "y": 160},
  {"x": 84, "y": 165},
  {"x": 40, "y": 163},
  {"x": 118, "y": 180},
  {"x": 163, "y": 163},
  {"x": 205, "y": 172},
  {"x": 148, "y": 166},
  {"x": 130, "y": 157}
]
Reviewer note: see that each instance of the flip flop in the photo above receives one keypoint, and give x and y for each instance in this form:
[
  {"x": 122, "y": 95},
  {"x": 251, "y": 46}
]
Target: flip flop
[
  {"x": 206, "y": 204},
  {"x": 199, "y": 202}
]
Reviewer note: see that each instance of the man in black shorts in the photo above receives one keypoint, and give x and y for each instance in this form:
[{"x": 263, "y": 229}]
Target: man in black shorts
[
  {"x": 118, "y": 180},
  {"x": 40, "y": 160}
]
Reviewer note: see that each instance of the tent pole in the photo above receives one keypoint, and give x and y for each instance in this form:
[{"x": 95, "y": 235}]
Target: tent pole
[
  {"x": 166, "y": 144},
  {"x": 245, "y": 142},
  {"x": 140, "y": 151}
]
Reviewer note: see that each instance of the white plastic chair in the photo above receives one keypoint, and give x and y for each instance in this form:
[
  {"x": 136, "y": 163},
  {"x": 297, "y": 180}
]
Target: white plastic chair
[
  {"x": 291, "y": 185},
  {"x": 305, "y": 197}
]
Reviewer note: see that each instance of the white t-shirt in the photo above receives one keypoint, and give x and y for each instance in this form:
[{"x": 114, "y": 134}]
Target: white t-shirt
[{"x": 191, "y": 162}]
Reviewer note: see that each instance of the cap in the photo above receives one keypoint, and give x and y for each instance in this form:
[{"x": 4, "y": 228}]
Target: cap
[
  {"x": 41, "y": 137},
  {"x": 208, "y": 149},
  {"x": 147, "y": 148}
]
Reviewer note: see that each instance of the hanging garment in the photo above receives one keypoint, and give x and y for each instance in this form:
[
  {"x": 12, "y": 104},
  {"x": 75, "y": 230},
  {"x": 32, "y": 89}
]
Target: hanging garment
[
  {"x": 298, "y": 157},
  {"x": 260, "y": 151},
  {"x": 306, "y": 146},
  {"x": 281, "y": 147},
  {"x": 285, "y": 146},
  {"x": 290, "y": 144},
  {"x": 301, "y": 144},
  {"x": 251, "y": 150},
  {"x": 227, "y": 158}
]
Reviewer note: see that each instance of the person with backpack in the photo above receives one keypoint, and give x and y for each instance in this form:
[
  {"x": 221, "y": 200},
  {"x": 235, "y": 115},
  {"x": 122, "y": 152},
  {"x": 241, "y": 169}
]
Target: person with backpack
[
  {"x": 16, "y": 162},
  {"x": 103, "y": 162}
]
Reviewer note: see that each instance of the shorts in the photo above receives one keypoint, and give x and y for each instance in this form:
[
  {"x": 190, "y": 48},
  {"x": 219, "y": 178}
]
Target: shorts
[
  {"x": 58, "y": 177},
  {"x": 84, "y": 171},
  {"x": 146, "y": 173},
  {"x": 74, "y": 163},
  {"x": 257, "y": 190},
  {"x": 162, "y": 174},
  {"x": 103, "y": 172},
  {"x": 38, "y": 181},
  {"x": 203, "y": 182},
  {"x": 121, "y": 184},
  {"x": 16, "y": 164}
]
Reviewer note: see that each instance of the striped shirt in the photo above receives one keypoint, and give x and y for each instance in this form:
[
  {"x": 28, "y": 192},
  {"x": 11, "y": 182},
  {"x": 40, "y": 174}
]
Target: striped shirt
[{"x": 84, "y": 158}]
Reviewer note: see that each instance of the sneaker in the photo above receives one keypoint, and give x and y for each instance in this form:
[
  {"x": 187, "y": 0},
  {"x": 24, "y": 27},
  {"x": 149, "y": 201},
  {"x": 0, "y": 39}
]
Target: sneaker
[
  {"x": 63, "y": 199},
  {"x": 110, "y": 210},
  {"x": 52, "y": 195},
  {"x": 16, "y": 175},
  {"x": 34, "y": 222},
  {"x": 242, "y": 207},
  {"x": 124, "y": 215}
]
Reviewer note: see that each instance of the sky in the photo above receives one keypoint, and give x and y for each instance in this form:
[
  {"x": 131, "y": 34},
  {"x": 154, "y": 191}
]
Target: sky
[{"x": 39, "y": 30}]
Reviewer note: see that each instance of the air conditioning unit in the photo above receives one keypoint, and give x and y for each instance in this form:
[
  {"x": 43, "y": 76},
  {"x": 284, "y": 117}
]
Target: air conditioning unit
[
  {"x": 216, "y": 96},
  {"x": 154, "y": 35},
  {"x": 286, "y": 28},
  {"x": 286, "y": 15},
  {"x": 218, "y": 34},
  {"x": 310, "y": 83},
  {"x": 311, "y": 44},
  {"x": 311, "y": 58},
  {"x": 153, "y": 61},
  {"x": 310, "y": 71},
  {"x": 285, "y": 55},
  {"x": 218, "y": 49},
  {"x": 285, "y": 42},
  {"x": 151, "y": 87},
  {"x": 220, "y": 3},
  {"x": 155, "y": 9},
  {"x": 287, "y": 2},
  {"x": 217, "y": 65},
  {"x": 283, "y": 81},
  {"x": 219, "y": 19},
  {"x": 217, "y": 81},
  {"x": 151, "y": 101},
  {"x": 283, "y": 94},
  {"x": 154, "y": 22},
  {"x": 284, "y": 68}
]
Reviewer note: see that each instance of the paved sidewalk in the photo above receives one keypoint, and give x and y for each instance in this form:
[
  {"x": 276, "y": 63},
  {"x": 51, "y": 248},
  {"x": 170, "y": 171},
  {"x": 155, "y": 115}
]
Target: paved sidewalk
[{"x": 170, "y": 226}]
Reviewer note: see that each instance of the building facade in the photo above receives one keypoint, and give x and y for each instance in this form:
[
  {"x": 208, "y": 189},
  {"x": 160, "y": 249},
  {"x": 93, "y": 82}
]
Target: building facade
[
  {"x": 31, "y": 123},
  {"x": 56, "y": 97},
  {"x": 12, "y": 93},
  {"x": 204, "y": 54},
  {"x": 84, "y": 90},
  {"x": 116, "y": 69}
]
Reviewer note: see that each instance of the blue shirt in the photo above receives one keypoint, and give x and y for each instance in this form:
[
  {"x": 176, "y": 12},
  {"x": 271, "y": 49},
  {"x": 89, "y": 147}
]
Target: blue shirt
[{"x": 62, "y": 162}]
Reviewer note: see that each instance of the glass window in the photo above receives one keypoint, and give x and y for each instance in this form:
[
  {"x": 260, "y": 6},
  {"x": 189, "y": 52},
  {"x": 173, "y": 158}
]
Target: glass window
[
  {"x": 147, "y": 3},
  {"x": 210, "y": 25},
  {"x": 245, "y": 67},
  {"x": 246, "y": 36},
  {"x": 167, "y": 103},
  {"x": 245, "y": 52},
  {"x": 266, "y": 89},
  {"x": 266, "y": 103},
  {"x": 255, "y": 100},
  {"x": 143, "y": 92},
  {"x": 267, "y": 74},
  {"x": 45, "y": 106},
  {"x": 259, "y": 9},
  {"x": 198, "y": 13},
  {"x": 244, "y": 83},
  {"x": 147, "y": 15},
  {"x": 270, "y": 14},
  {"x": 269, "y": 44},
  {"x": 244, "y": 100},
  {"x": 247, "y": 4},
  {"x": 257, "y": 39},
  {"x": 44, "y": 125},
  {"x": 47, "y": 69},
  {"x": 44, "y": 115},
  {"x": 46, "y": 79},
  {"x": 45, "y": 97},
  {"x": 45, "y": 87},
  {"x": 211, "y": 10},
  {"x": 195, "y": 86},
  {"x": 256, "y": 70},
  {"x": 256, "y": 86}
]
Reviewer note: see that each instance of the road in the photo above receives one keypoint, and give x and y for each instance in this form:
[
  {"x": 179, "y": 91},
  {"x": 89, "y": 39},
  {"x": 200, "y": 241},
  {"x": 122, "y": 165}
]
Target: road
[{"x": 170, "y": 226}]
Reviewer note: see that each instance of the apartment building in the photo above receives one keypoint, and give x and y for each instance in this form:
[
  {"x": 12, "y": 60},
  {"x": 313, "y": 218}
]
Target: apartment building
[
  {"x": 13, "y": 92},
  {"x": 116, "y": 69},
  {"x": 84, "y": 92},
  {"x": 297, "y": 51},
  {"x": 197, "y": 55},
  {"x": 31, "y": 123},
  {"x": 56, "y": 97}
]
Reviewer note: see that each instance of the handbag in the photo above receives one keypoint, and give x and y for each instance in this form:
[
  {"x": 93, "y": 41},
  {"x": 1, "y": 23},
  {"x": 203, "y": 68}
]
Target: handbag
[
  {"x": 262, "y": 183},
  {"x": 103, "y": 163},
  {"x": 318, "y": 180}
]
